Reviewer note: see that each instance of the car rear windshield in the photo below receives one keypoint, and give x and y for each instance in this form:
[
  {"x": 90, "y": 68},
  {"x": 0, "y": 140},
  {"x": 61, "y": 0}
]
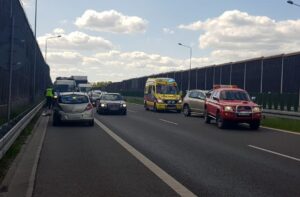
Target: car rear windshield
[
  {"x": 73, "y": 99},
  {"x": 234, "y": 95},
  {"x": 112, "y": 97}
]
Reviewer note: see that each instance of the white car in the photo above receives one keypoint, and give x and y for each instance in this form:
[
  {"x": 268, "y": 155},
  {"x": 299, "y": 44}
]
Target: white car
[{"x": 73, "y": 106}]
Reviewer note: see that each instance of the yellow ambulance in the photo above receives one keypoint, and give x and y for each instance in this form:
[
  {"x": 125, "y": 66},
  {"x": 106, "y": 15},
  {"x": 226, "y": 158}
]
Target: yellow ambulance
[{"x": 162, "y": 94}]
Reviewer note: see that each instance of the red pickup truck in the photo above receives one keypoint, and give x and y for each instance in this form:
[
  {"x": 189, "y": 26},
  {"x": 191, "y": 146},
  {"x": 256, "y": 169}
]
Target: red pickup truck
[{"x": 229, "y": 104}]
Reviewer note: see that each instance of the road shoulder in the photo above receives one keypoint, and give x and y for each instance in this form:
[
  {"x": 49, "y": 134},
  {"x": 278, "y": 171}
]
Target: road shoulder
[{"x": 20, "y": 177}]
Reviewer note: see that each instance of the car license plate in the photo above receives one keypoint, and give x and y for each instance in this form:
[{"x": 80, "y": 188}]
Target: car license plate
[{"x": 244, "y": 114}]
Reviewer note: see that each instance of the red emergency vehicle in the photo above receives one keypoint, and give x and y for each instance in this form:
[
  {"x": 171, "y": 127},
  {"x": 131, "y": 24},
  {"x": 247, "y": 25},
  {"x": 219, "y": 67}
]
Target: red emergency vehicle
[{"x": 230, "y": 104}]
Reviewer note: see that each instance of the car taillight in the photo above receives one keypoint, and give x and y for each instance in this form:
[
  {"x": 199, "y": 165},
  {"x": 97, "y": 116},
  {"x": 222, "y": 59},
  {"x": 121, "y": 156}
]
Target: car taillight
[{"x": 89, "y": 107}]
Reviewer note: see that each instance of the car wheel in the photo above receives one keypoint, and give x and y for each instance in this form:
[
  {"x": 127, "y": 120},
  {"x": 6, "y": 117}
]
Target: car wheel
[
  {"x": 254, "y": 125},
  {"x": 186, "y": 110},
  {"x": 155, "y": 108},
  {"x": 145, "y": 106},
  {"x": 56, "y": 120},
  {"x": 220, "y": 122},
  {"x": 206, "y": 117},
  {"x": 91, "y": 123}
]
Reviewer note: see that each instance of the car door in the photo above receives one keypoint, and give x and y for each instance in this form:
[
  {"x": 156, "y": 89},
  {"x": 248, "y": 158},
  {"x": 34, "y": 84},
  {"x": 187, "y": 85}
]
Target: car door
[
  {"x": 192, "y": 101},
  {"x": 199, "y": 104}
]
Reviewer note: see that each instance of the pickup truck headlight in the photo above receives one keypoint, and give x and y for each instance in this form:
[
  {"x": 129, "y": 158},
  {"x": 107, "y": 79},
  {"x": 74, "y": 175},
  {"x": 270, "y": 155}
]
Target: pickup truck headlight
[
  {"x": 103, "y": 105},
  {"x": 256, "y": 109},
  {"x": 228, "y": 108}
]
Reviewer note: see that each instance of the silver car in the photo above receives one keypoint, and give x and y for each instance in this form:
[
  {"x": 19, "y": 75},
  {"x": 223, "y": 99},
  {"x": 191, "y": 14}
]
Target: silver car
[
  {"x": 193, "y": 102},
  {"x": 112, "y": 103},
  {"x": 73, "y": 106}
]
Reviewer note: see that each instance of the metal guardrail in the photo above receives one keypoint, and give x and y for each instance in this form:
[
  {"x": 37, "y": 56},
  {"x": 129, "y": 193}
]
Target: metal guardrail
[{"x": 9, "y": 138}]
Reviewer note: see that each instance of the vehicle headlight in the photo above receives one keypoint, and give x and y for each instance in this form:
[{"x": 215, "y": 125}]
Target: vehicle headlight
[
  {"x": 55, "y": 97},
  {"x": 160, "y": 101},
  {"x": 103, "y": 105},
  {"x": 124, "y": 105},
  {"x": 256, "y": 109},
  {"x": 228, "y": 108},
  {"x": 180, "y": 101}
]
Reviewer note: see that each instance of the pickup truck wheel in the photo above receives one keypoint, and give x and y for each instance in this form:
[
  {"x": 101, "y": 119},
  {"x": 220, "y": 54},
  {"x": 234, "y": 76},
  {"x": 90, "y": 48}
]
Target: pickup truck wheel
[
  {"x": 254, "y": 125},
  {"x": 186, "y": 111},
  {"x": 206, "y": 117},
  {"x": 220, "y": 122}
]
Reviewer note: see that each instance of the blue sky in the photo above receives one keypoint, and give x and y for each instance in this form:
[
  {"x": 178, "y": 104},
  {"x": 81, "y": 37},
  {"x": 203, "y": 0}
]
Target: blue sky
[{"x": 149, "y": 45}]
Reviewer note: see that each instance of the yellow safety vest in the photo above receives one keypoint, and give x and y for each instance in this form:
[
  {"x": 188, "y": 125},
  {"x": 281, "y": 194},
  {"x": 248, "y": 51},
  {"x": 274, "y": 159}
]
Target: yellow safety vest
[{"x": 49, "y": 92}]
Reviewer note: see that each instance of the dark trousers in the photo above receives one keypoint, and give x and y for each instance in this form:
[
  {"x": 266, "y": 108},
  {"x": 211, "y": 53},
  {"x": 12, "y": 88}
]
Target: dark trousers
[{"x": 49, "y": 102}]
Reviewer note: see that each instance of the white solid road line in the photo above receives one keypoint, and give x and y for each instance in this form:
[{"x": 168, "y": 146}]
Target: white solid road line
[
  {"x": 167, "y": 121},
  {"x": 164, "y": 176},
  {"x": 280, "y": 130},
  {"x": 275, "y": 153}
]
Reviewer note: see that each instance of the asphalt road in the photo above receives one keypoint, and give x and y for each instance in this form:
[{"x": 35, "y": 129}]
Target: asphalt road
[{"x": 82, "y": 161}]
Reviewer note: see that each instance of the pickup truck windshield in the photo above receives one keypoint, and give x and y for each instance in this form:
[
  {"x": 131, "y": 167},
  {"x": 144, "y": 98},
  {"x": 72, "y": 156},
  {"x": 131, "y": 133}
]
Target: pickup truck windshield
[
  {"x": 234, "y": 95},
  {"x": 166, "y": 89}
]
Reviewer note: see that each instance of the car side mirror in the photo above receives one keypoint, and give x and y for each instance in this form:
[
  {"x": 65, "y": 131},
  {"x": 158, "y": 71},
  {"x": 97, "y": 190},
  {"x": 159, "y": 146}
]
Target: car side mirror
[
  {"x": 208, "y": 95},
  {"x": 215, "y": 98}
]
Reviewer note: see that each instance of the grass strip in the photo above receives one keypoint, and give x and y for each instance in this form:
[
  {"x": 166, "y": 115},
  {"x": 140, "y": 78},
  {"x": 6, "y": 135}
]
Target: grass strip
[
  {"x": 13, "y": 151},
  {"x": 282, "y": 123}
]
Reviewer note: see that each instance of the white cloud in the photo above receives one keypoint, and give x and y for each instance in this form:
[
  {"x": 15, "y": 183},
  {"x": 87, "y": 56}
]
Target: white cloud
[
  {"x": 237, "y": 35},
  {"x": 111, "y": 21},
  {"x": 75, "y": 41},
  {"x": 112, "y": 65},
  {"x": 168, "y": 31}
]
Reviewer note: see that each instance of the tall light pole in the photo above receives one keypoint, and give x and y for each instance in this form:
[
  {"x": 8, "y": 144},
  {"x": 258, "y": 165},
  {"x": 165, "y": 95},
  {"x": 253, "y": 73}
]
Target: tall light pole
[
  {"x": 46, "y": 45},
  {"x": 189, "y": 81},
  {"x": 292, "y": 3},
  {"x": 35, "y": 49}
]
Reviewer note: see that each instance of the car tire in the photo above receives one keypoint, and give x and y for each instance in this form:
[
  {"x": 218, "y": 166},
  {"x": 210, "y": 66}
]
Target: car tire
[
  {"x": 186, "y": 110},
  {"x": 145, "y": 106},
  {"x": 221, "y": 124},
  {"x": 91, "y": 123},
  {"x": 56, "y": 120},
  {"x": 206, "y": 117},
  {"x": 254, "y": 125},
  {"x": 155, "y": 108}
]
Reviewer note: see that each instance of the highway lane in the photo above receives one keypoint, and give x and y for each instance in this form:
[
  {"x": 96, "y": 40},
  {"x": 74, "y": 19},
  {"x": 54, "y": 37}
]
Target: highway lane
[
  {"x": 77, "y": 160},
  {"x": 209, "y": 161}
]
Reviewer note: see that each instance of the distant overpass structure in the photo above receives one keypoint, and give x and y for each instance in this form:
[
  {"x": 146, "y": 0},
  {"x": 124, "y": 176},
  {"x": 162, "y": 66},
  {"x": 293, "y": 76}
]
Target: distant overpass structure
[
  {"x": 20, "y": 82},
  {"x": 274, "y": 80}
]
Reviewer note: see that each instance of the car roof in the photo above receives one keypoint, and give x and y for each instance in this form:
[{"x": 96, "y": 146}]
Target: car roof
[
  {"x": 238, "y": 89},
  {"x": 69, "y": 93},
  {"x": 198, "y": 90}
]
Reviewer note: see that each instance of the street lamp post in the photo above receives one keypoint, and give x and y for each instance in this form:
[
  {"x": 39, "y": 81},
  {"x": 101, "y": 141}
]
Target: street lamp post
[
  {"x": 46, "y": 45},
  {"x": 189, "y": 80},
  {"x": 292, "y": 3}
]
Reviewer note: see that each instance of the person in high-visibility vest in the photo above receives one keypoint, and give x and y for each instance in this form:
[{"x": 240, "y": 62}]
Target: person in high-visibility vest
[{"x": 49, "y": 96}]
